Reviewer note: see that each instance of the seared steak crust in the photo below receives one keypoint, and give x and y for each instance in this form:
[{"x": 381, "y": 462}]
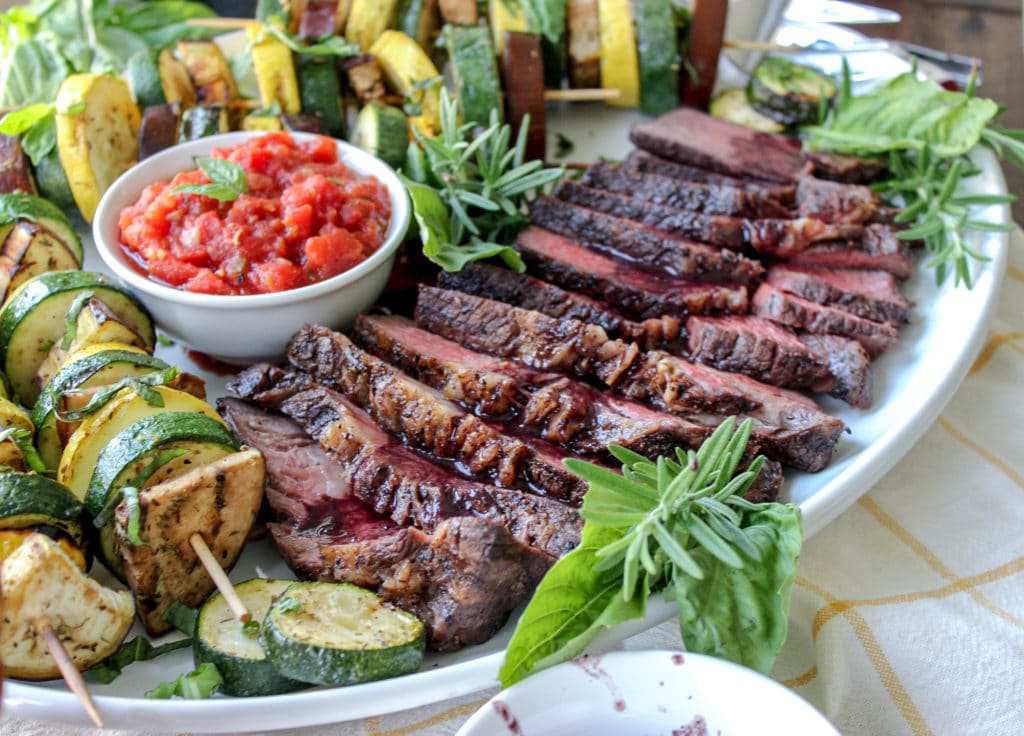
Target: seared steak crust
[
  {"x": 427, "y": 420},
  {"x": 647, "y": 163},
  {"x": 787, "y": 309},
  {"x": 869, "y": 294},
  {"x": 850, "y": 365},
  {"x": 686, "y": 259},
  {"x": 711, "y": 199}
]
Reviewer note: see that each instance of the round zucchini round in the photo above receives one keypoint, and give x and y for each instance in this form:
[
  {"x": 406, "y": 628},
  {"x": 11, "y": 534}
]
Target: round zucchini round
[
  {"x": 238, "y": 655},
  {"x": 787, "y": 92},
  {"x": 30, "y": 500},
  {"x": 32, "y": 321},
  {"x": 339, "y": 634}
]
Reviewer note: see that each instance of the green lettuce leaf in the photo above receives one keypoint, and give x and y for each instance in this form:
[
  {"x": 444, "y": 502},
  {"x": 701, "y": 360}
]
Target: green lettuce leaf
[{"x": 740, "y": 614}]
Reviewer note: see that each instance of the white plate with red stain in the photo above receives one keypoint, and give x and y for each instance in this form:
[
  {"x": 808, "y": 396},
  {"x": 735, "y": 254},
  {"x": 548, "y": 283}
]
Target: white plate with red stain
[{"x": 647, "y": 693}]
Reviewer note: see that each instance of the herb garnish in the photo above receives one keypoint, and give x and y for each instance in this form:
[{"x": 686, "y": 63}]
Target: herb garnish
[
  {"x": 470, "y": 192},
  {"x": 141, "y": 385},
  {"x": 23, "y": 439},
  {"x": 138, "y": 649},
  {"x": 227, "y": 180},
  {"x": 927, "y": 133},
  {"x": 198, "y": 684},
  {"x": 680, "y": 526}
]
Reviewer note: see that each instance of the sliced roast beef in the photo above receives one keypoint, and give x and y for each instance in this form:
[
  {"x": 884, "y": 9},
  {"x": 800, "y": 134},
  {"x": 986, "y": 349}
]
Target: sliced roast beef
[
  {"x": 711, "y": 199},
  {"x": 870, "y": 294},
  {"x": 692, "y": 137},
  {"x": 779, "y": 238},
  {"x": 847, "y": 169},
  {"x": 877, "y": 249},
  {"x": 833, "y": 201},
  {"x": 529, "y": 292},
  {"x": 561, "y": 409},
  {"x": 636, "y": 291},
  {"x": 790, "y": 427},
  {"x": 758, "y": 348},
  {"x": 686, "y": 259},
  {"x": 648, "y": 163},
  {"x": 462, "y": 580},
  {"x": 800, "y": 313},
  {"x": 424, "y": 418},
  {"x": 848, "y": 362}
]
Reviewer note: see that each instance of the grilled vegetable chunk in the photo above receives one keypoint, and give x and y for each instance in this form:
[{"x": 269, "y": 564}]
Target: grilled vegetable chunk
[
  {"x": 160, "y": 125},
  {"x": 239, "y": 657},
  {"x": 218, "y": 501},
  {"x": 13, "y": 419},
  {"x": 97, "y": 135},
  {"x": 474, "y": 72},
  {"x": 29, "y": 502},
  {"x": 367, "y": 20},
  {"x": 619, "y": 62},
  {"x": 584, "y": 44},
  {"x": 275, "y": 71},
  {"x": 339, "y": 634},
  {"x": 39, "y": 579},
  {"x": 409, "y": 69},
  {"x": 209, "y": 71},
  {"x": 365, "y": 77},
  {"x": 29, "y": 250},
  {"x": 787, "y": 92},
  {"x": 15, "y": 172}
]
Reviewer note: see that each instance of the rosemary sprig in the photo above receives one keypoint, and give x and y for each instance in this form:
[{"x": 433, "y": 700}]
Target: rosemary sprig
[
  {"x": 678, "y": 525},
  {"x": 470, "y": 189}
]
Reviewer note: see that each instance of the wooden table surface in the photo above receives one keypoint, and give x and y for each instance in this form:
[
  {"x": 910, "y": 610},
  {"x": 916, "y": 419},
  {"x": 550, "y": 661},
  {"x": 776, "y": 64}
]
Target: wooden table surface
[{"x": 988, "y": 29}]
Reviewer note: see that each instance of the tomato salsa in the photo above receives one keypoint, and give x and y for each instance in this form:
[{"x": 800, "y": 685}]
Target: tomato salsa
[{"x": 305, "y": 218}]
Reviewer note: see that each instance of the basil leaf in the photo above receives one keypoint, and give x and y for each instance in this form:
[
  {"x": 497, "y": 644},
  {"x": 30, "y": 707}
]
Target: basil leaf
[
  {"x": 740, "y": 614},
  {"x": 32, "y": 72},
  {"x": 19, "y": 206},
  {"x": 181, "y": 617},
  {"x": 227, "y": 179},
  {"x": 138, "y": 649},
  {"x": 18, "y": 121},
  {"x": 198, "y": 684}
]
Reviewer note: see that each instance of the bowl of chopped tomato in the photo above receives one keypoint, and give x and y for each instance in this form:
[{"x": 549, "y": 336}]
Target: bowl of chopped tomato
[{"x": 234, "y": 241}]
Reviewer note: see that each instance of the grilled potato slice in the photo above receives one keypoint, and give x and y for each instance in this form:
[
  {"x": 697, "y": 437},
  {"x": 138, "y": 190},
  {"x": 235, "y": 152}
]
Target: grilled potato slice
[
  {"x": 219, "y": 501},
  {"x": 40, "y": 579},
  {"x": 97, "y": 135}
]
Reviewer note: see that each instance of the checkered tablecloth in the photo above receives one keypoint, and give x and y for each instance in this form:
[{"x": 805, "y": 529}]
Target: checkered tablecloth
[{"x": 908, "y": 612}]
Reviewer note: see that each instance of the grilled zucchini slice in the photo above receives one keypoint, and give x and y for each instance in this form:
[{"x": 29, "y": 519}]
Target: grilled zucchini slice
[
  {"x": 208, "y": 70},
  {"x": 787, "y": 92},
  {"x": 40, "y": 579},
  {"x": 384, "y": 132},
  {"x": 35, "y": 209},
  {"x": 220, "y": 638},
  {"x": 339, "y": 634},
  {"x": 407, "y": 68},
  {"x": 127, "y": 407},
  {"x": 474, "y": 72},
  {"x": 83, "y": 371},
  {"x": 32, "y": 321},
  {"x": 620, "y": 68},
  {"x": 734, "y": 106},
  {"x": 275, "y": 71},
  {"x": 320, "y": 93},
  {"x": 658, "y": 53},
  {"x": 367, "y": 20},
  {"x": 419, "y": 20},
  {"x": 203, "y": 120},
  {"x": 97, "y": 135},
  {"x": 219, "y": 501},
  {"x": 28, "y": 500}
]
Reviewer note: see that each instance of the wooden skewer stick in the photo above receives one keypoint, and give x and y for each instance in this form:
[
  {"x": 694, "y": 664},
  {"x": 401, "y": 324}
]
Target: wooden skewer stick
[
  {"x": 761, "y": 46},
  {"x": 581, "y": 95},
  {"x": 219, "y": 578},
  {"x": 67, "y": 668}
]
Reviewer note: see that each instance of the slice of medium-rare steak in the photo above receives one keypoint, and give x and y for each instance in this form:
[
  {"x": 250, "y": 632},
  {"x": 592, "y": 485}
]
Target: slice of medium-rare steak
[
  {"x": 648, "y": 163},
  {"x": 848, "y": 362},
  {"x": 636, "y": 291},
  {"x": 693, "y": 137},
  {"x": 462, "y": 581},
  {"x": 373, "y": 469},
  {"x": 803, "y": 314},
  {"x": 559, "y": 408},
  {"x": 867, "y": 293},
  {"x": 833, "y": 201},
  {"x": 528, "y": 292},
  {"x": 876, "y": 249},
  {"x": 686, "y": 259},
  {"x": 772, "y": 237},
  {"x": 788, "y": 426},
  {"x": 427, "y": 420},
  {"x": 711, "y": 199},
  {"x": 847, "y": 169},
  {"x": 757, "y": 348}
]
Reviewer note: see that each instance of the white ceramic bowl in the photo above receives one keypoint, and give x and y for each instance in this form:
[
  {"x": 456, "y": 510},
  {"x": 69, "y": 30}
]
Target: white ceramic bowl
[
  {"x": 645, "y": 693},
  {"x": 248, "y": 328}
]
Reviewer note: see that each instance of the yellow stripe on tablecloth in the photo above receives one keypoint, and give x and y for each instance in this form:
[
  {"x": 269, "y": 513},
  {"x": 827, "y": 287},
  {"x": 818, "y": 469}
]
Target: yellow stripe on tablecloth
[
  {"x": 890, "y": 680},
  {"x": 995, "y": 341},
  {"x": 967, "y": 585},
  {"x": 1015, "y": 273},
  {"x": 373, "y": 725},
  {"x": 803, "y": 679},
  {"x": 992, "y": 459}
]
